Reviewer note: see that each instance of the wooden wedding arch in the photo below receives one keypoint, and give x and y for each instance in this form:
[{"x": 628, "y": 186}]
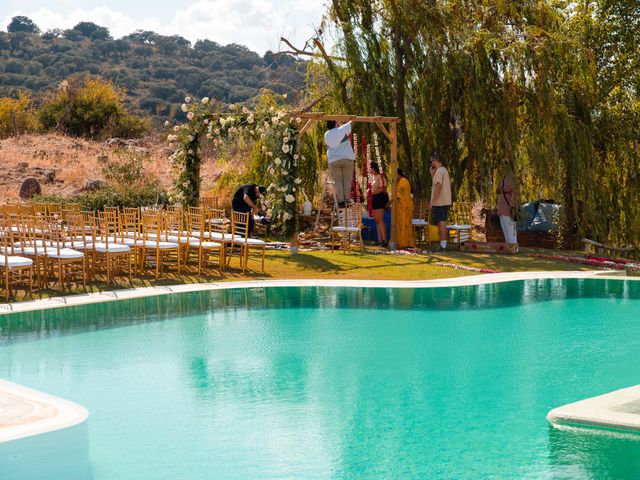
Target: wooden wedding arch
[{"x": 389, "y": 128}]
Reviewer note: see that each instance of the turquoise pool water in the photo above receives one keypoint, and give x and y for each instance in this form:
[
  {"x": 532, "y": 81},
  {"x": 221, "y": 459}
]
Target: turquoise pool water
[{"x": 330, "y": 383}]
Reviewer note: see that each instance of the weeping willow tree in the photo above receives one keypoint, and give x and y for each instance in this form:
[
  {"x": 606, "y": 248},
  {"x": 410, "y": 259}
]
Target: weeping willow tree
[{"x": 482, "y": 82}]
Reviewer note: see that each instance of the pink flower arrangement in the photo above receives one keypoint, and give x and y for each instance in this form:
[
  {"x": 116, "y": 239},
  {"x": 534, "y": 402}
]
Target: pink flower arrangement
[{"x": 591, "y": 261}]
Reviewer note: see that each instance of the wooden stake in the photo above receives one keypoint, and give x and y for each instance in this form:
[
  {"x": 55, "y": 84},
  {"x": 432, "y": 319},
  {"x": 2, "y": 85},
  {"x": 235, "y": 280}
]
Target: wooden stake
[{"x": 393, "y": 244}]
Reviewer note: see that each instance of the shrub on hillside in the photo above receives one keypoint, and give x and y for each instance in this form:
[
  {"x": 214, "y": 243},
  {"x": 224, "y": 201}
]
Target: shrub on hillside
[
  {"x": 17, "y": 115},
  {"x": 127, "y": 168},
  {"x": 126, "y": 195},
  {"x": 90, "y": 107}
]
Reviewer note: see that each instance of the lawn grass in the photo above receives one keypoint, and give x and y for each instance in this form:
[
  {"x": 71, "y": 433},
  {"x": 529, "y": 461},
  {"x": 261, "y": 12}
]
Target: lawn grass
[{"x": 347, "y": 266}]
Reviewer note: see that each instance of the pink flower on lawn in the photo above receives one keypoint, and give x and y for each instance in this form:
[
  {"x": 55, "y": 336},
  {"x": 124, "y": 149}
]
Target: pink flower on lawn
[{"x": 190, "y": 115}]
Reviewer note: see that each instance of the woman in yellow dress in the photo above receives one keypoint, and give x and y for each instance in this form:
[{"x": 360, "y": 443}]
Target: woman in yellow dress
[{"x": 404, "y": 212}]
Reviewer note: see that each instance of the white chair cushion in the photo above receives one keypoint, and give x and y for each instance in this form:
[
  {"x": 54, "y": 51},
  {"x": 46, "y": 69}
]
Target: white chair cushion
[
  {"x": 208, "y": 245},
  {"x": 184, "y": 239},
  {"x": 31, "y": 251},
  {"x": 38, "y": 243},
  {"x": 419, "y": 223},
  {"x": 249, "y": 241},
  {"x": 458, "y": 227},
  {"x": 167, "y": 245},
  {"x": 218, "y": 237},
  {"x": 111, "y": 248},
  {"x": 15, "y": 262},
  {"x": 65, "y": 254},
  {"x": 139, "y": 243},
  {"x": 81, "y": 246}
]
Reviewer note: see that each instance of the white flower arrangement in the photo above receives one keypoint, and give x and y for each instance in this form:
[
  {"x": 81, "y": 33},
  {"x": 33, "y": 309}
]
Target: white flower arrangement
[{"x": 273, "y": 126}]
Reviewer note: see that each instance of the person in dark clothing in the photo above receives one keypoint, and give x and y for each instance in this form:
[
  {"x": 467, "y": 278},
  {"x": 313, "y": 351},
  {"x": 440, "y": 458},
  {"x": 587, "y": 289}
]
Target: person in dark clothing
[{"x": 245, "y": 199}]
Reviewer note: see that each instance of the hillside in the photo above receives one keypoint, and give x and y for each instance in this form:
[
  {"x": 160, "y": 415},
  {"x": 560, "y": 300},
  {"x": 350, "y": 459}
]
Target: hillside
[
  {"x": 63, "y": 165},
  {"x": 157, "y": 71}
]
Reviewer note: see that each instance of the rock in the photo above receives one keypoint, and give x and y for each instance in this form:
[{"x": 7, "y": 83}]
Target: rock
[
  {"x": 116, "y": 142},
  {"x": 103, "y": 158},
  {"x": 22, "y": 166},
  {"x": 29, "y": 188},
  {"x": 94, "y": 184},
  {"x": 49, "y": 175}
]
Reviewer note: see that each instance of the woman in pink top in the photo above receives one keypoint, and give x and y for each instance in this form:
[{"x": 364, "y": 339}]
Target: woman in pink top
[{"x": 380, "y": 201}]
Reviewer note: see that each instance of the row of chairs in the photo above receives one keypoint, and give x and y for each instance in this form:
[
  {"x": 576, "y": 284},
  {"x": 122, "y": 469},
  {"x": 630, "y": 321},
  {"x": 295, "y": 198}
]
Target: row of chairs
[
  {"x": 68, "y": 244},
  {"x": 346, "y": 229}
]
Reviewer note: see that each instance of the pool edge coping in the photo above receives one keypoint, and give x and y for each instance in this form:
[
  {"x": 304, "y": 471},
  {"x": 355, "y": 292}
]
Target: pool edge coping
[
  {"x": 44, "y": 412},
  {"x": 139, "y": 292},
  {"x": 606, "y": 411}
]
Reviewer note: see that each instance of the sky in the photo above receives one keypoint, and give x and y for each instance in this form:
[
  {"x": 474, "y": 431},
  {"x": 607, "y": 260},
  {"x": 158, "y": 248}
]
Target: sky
[{"x": 258, "y": 24}]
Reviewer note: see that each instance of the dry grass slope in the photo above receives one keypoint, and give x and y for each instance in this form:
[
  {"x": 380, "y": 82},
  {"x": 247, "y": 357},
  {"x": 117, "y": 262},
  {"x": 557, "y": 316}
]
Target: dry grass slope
[{"x": 64, "y": 164}]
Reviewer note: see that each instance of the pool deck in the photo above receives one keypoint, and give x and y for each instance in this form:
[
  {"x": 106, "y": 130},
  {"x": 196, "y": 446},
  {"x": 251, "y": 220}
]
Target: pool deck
[
  {"x": 25, "y": 412},
  {"x": 106, "y": 296},
  {"x": 617, "y": 410}
]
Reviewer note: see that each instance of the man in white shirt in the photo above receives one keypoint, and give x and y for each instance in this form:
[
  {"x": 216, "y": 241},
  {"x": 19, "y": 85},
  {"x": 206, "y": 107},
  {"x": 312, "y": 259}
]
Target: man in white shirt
[
  {"x": 340, "y": 158},
  {"x": 440, "y": 199}
]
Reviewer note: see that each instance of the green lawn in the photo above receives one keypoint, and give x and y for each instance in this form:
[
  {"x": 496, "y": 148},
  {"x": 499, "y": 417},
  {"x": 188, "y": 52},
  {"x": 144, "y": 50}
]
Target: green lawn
[{"x": 354, "y": 266}]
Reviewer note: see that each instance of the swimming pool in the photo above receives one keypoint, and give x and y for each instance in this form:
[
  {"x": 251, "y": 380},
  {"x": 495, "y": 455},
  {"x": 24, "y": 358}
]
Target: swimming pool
[{"x": 330, "y": 382}]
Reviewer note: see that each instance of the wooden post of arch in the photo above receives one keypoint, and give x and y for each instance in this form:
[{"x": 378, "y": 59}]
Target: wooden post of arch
[{"x": 393, "y": 243}]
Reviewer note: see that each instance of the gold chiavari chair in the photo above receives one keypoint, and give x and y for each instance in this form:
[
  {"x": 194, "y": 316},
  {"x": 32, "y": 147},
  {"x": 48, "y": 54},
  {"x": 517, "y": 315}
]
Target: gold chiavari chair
[
  {"x": 32, "y": 242},
  {"x": 109, "y": 255},
  {"x": 461, "y": 227},
  {"x": 15, "y": 268},
  {"x": 130, "y": 234},
  {"x": 162, "y": 251},
  {"x": 54, "y": 209},
  {"x": 218, "y": 229},
  {"x": 206, "y": 249},
  {"x": 133, "y": 221},
  {"x": 82, "y": 237},
  {"x": 63, "y": 261},
  {"x": 72, "y": 207},
  {"x": 242, "y": 242},
  {"x": 40, "y": 209},
  {"x": 420, "y": 221},
  {"x": 24, "y": 209},
  {"x": 349, "y": 226},
  {"x": 209, "y": 202}
]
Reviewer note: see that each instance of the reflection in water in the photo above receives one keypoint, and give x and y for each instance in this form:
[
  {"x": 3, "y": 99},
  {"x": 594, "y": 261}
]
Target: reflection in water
[
  {"x": 151, "y": 309},
  {"x": 63, "y": 454},
  {"x": 585, "y": 453}
]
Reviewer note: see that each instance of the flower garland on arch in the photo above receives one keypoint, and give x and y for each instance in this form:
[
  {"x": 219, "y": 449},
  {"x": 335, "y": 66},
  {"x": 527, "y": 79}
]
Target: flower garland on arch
[{"x": 274, "y": 130}]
